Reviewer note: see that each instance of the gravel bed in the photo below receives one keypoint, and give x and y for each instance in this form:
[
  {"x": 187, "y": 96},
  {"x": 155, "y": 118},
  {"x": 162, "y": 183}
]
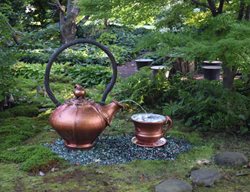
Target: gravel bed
[{"x": 119, "y": 149}]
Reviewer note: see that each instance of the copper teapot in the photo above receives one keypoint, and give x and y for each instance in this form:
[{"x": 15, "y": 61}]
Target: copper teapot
[{"x": 79, "y": 121}]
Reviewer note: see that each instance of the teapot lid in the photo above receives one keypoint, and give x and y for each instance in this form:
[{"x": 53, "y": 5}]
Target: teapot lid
[
  {"x": 79, "y": 99},
  {"x": 79, "y": 91}
]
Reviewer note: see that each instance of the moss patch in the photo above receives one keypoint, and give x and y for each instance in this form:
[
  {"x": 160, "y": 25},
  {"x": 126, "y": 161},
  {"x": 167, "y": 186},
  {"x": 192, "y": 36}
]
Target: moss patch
[
  {"x": 31, "y": 158},
  {"x": 20, "y": 110},
  {"x": 14, "y": 131},
  {"x": 9, "y": 176}
]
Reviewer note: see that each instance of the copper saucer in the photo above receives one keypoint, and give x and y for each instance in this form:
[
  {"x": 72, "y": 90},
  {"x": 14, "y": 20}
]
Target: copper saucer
[{"x": 162, "y": 141}]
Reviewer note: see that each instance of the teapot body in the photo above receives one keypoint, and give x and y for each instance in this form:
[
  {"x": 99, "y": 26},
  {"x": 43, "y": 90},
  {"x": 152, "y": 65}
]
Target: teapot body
[
  {"x": 78, "y": 125},
  {"x": 79, "y": 121}
]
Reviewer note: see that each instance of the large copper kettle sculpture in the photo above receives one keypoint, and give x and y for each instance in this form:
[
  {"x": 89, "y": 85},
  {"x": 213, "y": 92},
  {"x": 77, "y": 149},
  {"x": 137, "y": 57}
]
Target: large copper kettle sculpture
[{"x": 79, "y": 121}]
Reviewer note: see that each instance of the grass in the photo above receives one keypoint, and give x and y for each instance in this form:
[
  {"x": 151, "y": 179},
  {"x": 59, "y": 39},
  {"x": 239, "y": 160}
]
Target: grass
[{"x": 23, "y": 133}]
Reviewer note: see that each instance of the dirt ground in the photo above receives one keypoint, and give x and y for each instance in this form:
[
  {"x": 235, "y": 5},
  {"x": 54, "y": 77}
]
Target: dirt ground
[{"x": 127, "y": 69}]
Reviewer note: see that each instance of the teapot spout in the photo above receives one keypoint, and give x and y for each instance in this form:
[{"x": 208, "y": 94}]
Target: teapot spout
[{"x": 110, "y": 110}]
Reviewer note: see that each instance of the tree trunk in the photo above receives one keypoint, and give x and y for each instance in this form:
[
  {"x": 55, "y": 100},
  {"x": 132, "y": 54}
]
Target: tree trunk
[
  {"x": 241, "y": 10},
  {"x": 228, "y": 77},
  {"x": 247, "y": 13},
  {"x": 106, "y": 23},
  {"x": 68, "y": 21},
  {"x": 68, "y": 26}
]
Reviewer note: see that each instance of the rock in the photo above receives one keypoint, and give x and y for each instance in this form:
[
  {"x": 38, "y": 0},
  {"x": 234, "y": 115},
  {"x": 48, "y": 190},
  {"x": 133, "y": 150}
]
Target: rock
[
  {"x": 42, "y": 110},
  {"x": 203, "y": 162},
  {"x": 205, "y": 177},
  {"x": 173, "y": 185},
  {"x": 230, "y": 159},
  {"x": 41, "y": 173}
]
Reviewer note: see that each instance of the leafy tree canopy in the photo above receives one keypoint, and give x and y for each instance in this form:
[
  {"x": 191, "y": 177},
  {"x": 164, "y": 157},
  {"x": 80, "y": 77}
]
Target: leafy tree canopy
[{"x": 128, "y": 12}]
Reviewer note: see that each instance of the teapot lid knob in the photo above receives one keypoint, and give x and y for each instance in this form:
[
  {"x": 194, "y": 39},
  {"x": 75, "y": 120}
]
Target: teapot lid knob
[{"x": 79, "y": 91}]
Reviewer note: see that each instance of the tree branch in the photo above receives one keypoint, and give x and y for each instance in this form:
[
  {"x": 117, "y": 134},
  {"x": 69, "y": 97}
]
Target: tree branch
[
  {"x": 15, "y": 34},
  {"x": 69, "y": 6},
  {"x": 212, "y": 7},
  {"x": 241, "y": 10},
  {"x": 60, "y": 7},
  {"x": 84, "y": 20},
  {"x": 196, "y": 2},
  {"x": 220, "y": 9},
  {"x": 247, "y": 13}
]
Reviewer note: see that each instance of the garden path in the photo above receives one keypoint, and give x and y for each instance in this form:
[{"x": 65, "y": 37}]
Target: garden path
[{"x": 129, "y": 68}]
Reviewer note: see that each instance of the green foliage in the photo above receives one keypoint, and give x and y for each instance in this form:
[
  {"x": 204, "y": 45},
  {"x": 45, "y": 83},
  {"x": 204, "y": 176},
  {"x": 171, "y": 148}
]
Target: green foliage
[
  {"x": 190, "y": 31},
  {"x": 121, "y": 53},
  {"x": 139, "y": 11},
  {"x": 36, "y": 71},
  {"x": 14, "y": 131},
  {"x": 174, "y": 16},
  {"x": 31, "y": 158},
  {"x": 6, "y": 57},
  {"x": 120, "y": 40},
  {"x": 28, "y": 14},
  {"x": 5, "y": 81},
  {"x": 107, "y": 38},
  {"x": 14, "y": 11},
  {"x": 142, "y": 87},
  {"x": 88, "y": 55},
  {"x": 20, "y": 110},
  {"x": 206, "y": 106},
  {"x": 42, "y": 38},
  {"x": 225, "y": 39},
  {"x": 38, "y": 45},
  {"x": 89, "y": 75}
]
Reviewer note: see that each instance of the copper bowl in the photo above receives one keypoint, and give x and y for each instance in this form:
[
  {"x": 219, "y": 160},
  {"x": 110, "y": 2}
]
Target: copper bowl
[{"x": 150, "y": 129}]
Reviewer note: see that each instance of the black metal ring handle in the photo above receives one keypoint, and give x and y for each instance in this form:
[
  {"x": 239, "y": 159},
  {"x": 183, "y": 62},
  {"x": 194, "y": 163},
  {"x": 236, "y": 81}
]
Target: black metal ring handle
[{"x": 67, "y": 45}]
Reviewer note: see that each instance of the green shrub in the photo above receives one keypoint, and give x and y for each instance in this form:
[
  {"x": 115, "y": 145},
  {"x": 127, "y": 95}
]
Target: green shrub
[
  {"x": 142, "y": 87},
  {"x": 75, "y": 55},
  {"x": 5, "y": 114},
  {"x": 7, "y": 57},
  {"x": 107, "y": 38},
  {"x": 86, "y": 75},
  {"x": 34, "y": 55},
  {"x": 31, "y": 158},
  {"x": 207, "y": 106},
  {"x": 38, "y": 46},
  {"x": 121, "y": 53},
  {"x": 89, "y": 75},
  {"x": 36, "y": 71}
]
